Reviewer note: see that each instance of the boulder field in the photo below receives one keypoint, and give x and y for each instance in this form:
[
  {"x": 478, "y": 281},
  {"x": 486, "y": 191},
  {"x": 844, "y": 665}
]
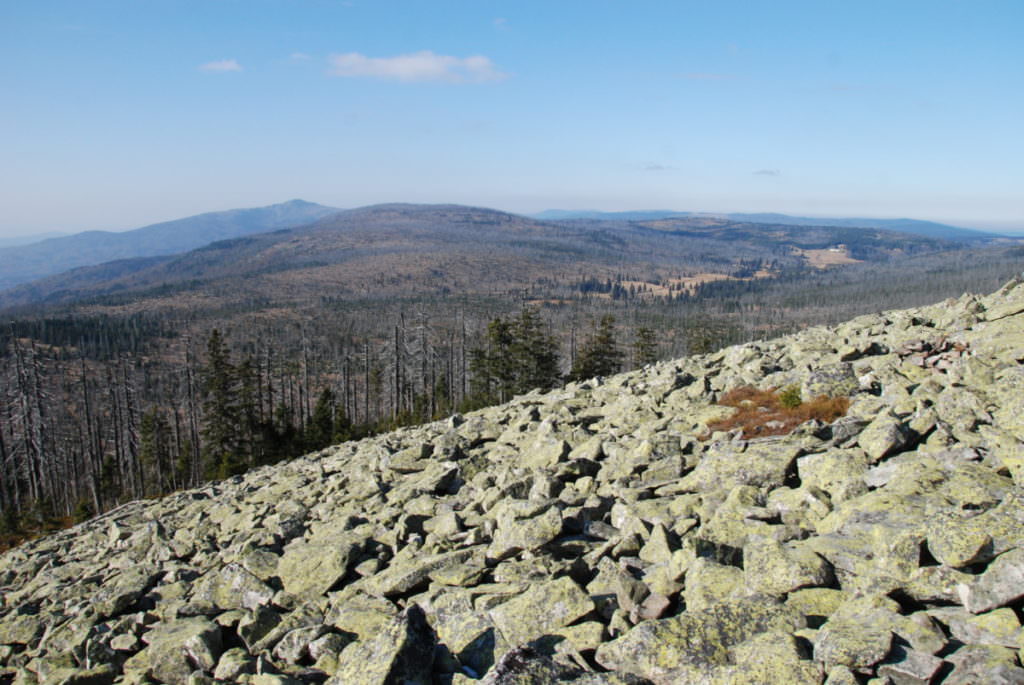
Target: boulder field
[{"x": 599, "y": 534}]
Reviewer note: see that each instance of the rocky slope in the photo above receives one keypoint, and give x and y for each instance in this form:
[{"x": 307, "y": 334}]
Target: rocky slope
[{"x": 592, "y": 535}]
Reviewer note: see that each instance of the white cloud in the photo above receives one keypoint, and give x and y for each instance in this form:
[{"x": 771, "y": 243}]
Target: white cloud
[
  {"x": 416, "y": 66},
  {"x": 221, "y": 66},
  {"x": 767, "y": 172},
  {"x": 299, "y": 57},
  {"x": 501, "y": 23}
]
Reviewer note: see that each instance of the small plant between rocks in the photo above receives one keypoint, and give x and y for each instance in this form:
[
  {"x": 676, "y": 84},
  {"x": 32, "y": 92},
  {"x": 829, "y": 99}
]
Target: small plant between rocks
[{"x": 762, "y": 413}]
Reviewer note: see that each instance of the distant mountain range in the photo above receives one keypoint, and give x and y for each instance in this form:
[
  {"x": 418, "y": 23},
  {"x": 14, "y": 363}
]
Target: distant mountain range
[
  {"x": 159, "y": 253},
  {"x": 929, "y": 229},
  {"x": 24, "y": 263},
  {"x": 395, "y": 250},
  {"x": 15, "y": 240}
]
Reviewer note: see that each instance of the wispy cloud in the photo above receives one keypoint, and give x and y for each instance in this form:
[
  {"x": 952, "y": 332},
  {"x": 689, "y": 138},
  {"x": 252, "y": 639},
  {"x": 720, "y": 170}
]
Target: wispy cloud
[
  {"x": 222, "y": 65},
  {"x": 299, "y": 57},
  {"x": 767, "y": 172},
  {"x": 500, "y": 23},
  {"x": 705, "y": 76},
  {"x": 653, "y": 166},
  {"x": 416, "y": 66}
]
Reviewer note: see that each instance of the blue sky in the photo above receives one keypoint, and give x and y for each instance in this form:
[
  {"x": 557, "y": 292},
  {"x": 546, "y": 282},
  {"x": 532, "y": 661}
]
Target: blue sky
[{"x": 121, "y": 113}]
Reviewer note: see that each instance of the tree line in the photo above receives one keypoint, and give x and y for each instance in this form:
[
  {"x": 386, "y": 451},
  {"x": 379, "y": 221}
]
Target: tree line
[{"x": 79, "y": 436}]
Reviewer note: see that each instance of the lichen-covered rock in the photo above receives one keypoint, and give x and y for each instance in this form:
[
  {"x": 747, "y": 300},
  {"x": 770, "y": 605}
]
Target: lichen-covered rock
[
  {"x": 858, "y": 635},
  {"x": 526, "y": 666},
  {"x": 403, "y": 652},
  {"x": 883, "y": 436},
  {"x": 673, "y": 649},
  {"x": 598, "y": 523},
  {"x": 1001, "y": 583},
  {"x": 313, "y": 568},
  {"x": 516, "y": 535},
  {"x": 834, "y": 380},
  {"x": 776, "y": 569},
  {"x": 175, "y": 649},
  {"x": 233, "y": 587},
  {"x": 542, "y": 609}
]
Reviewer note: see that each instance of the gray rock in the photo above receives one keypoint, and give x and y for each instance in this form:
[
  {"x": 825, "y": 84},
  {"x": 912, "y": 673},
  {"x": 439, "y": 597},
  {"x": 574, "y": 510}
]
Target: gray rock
[
  {"x": 834, "y": 380},
  {"x": 174, "y": 649},
  {"x": 882, "y": 437},
  {"x": 1001, "y": 583},
  {"x": 403, "y": 652},
  {"x": 233, "y": 587},
  {"x": 672, "y": 649}
]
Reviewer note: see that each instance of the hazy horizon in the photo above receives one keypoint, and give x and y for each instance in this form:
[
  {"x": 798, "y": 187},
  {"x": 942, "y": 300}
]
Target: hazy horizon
[
  {"x": 1010, "y": 227},
  {"x": 119, "y": 115}
]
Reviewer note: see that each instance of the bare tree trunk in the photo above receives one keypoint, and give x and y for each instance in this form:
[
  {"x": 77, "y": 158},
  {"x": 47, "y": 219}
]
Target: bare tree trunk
[
  {"x": 93, "y": 459},
  {"x": 366, "y": 382},
  {"x": 132, "y": 431},
  {"x": 193, "y": 417}
]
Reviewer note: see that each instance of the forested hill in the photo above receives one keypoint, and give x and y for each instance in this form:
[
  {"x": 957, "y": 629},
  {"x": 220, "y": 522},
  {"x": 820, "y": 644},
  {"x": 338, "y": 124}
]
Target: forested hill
[
  {"x": 24, "y": 263},
  {"x": 928, "y": 229},
  {"x": 432, "y": 249}
]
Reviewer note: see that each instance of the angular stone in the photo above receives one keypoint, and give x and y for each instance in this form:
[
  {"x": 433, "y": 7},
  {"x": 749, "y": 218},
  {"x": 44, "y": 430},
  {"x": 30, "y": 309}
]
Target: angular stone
[
  {"x": 709, "y": 583},
  {"x": 360, "y": 615},
  {"x": 176, "y": 648},
  {"x": 975, "y": 664},
  {"x": 858, "y": 636},
  {"x": 294, "y": 646},
  {"x": 833, "y": 380},
  {"x": 405, "y": 574},
  {"x": 882, "y": 437},
  {"x": 663, "y": 649},
  {"x": 775, "y": 569},
  {"x": 233, "y": 664},
  {"x": 526, "y": 666},
  {"x": 1000, "y": 584},
  {"x": 256, "y": 625},
  {"x": 468, "y": 634},
  {"x": 816, "y": 602},
  {"x": 517, "y": 535},
  {"x": 762, "y": 464},
  {"x": 311, "y": 569},
  {"x": 121, "y": 592},
  {"x": 909, "y": 667},
  {"x": 839, "y": 472},
  {"x": 999, "y": 627},
  {"x": 540, "y": 610},
  {"x": 545, "y": 452},
  {"x": 403, "y": 652},
  {"x": 957, "y": 546},
  {"x": 233, "y": 587},
  {"x": 771, "y": 657}
]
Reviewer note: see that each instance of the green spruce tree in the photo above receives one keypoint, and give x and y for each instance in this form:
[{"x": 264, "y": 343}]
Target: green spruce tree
[
  {"x": 221, "y": 416},
  {"x": 600, "y": 354},
  {"x": 645, "y": 346}
]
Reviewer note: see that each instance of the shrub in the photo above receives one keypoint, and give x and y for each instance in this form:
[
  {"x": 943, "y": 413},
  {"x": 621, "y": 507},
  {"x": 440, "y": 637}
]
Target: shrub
[{"x": 790, "y": 397}]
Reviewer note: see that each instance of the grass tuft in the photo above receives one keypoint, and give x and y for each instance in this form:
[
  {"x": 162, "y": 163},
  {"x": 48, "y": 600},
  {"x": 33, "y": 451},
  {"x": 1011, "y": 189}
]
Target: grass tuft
[{"x": 762, "y": 413}]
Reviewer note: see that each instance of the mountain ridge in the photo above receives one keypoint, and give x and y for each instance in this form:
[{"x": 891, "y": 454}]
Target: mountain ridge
[
  {"x": 929, "y": 229},
  {"x": 25, "y": 263},
  {"x": 433, "y": 247}
]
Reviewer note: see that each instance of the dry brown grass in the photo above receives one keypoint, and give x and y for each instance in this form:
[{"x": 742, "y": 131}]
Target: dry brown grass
[{"x": 760, "y": 413}]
